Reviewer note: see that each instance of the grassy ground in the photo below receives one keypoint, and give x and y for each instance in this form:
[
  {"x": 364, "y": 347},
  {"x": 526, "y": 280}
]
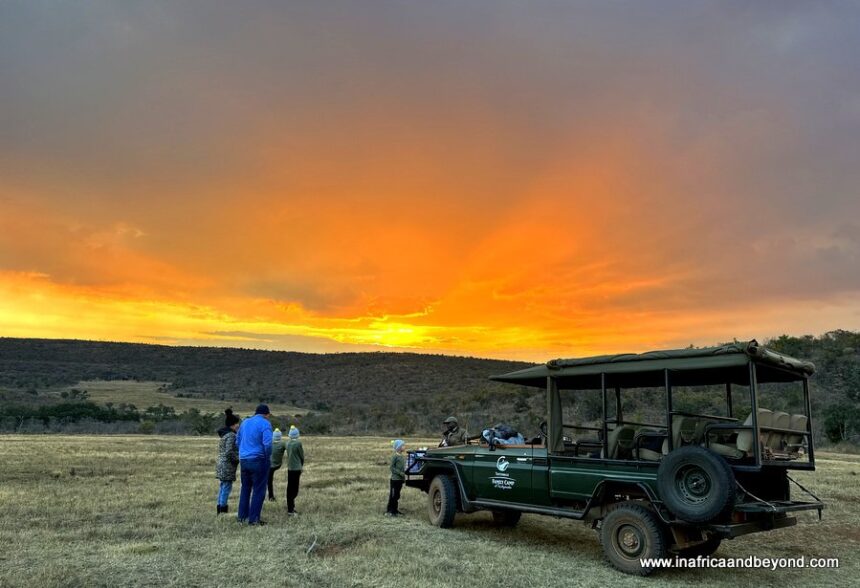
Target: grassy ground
[
  {"x": 146, "y": 394},
  {"x": 139, "y": 510}
]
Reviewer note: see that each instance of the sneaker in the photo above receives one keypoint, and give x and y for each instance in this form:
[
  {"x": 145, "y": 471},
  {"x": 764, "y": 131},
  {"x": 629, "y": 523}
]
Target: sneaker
[
  {"x": 292, "y": 514},
  {"x": 243, "y": 521},
  {"x": 390, "y": 514},
  {"x": 400, "y": 514}
]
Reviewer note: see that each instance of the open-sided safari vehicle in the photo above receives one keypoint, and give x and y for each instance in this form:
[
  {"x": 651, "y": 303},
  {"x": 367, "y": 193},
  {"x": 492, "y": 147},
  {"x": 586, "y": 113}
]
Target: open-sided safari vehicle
[{"x": 671, "y": 478}]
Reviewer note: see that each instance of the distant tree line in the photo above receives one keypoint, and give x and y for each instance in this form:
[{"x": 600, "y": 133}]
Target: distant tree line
[
  {"x": 835, "y": 387},
  {"x": 358, "y": 393},
  {"x": 88, "y": 417}
]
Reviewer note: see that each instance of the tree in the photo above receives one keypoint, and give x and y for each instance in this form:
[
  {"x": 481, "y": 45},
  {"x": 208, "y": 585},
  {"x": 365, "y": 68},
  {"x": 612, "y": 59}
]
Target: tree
[{"x": 842, "y": 422}]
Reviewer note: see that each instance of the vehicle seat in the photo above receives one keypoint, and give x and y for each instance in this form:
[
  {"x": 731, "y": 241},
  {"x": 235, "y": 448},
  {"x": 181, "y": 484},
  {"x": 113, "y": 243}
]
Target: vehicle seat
[
  {"x": 777, "y": 439},
  {"x": 744, "y": 443},
  {"x": 703, "y": 424},
  {"x": 683, "y": 433},
  {"x": 796, "y": 423},
  {"x": 745, "y": 438},
  {"x": 620, "y": 439},
  {"x": 646, "y": 453}
]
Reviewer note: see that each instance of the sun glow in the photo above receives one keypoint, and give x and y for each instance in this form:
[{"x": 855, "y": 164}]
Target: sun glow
[{"x": 551, "y": 180}]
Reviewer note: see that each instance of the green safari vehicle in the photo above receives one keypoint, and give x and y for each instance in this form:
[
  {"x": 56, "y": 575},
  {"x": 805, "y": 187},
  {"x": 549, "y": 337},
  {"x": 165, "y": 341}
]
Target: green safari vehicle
[{"x": 663, "y": 481}]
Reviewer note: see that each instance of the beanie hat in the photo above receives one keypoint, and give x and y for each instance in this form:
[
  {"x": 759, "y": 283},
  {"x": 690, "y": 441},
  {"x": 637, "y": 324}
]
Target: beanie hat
[
  {"x": 276, "y": 435},
  {"x": 230, "y": 419},
  {"x": 262, "y": 409},
  {"x": 294, "y": 432},
  {"x": 397, "y": 444}
]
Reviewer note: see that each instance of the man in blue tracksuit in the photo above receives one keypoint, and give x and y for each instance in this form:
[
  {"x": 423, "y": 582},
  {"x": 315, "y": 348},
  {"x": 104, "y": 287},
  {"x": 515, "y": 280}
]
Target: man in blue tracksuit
[{"x": 255, "y": 446}]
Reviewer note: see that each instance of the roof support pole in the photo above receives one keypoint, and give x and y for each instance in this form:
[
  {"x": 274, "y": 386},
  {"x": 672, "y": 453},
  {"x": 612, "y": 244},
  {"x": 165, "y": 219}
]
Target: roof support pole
[
  {"x": 729, "y": 399},
  {"x": 754, "y": 413},
  {"x": 808, "y": 419},
  {"x": 668, "y": 386},
  {"x": 554, "y": 426},
  {"x": 605, "y": 416}
]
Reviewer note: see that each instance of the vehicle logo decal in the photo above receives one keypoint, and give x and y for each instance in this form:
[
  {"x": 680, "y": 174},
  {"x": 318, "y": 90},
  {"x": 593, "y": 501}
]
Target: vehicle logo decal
[{"x": 502, "y": 480}]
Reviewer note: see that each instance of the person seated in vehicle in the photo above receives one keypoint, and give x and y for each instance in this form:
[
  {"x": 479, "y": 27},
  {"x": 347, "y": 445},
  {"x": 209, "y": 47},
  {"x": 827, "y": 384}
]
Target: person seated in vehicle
[
  {"x": 502, "y": 435},
  {"x": 453, "y": 434}
]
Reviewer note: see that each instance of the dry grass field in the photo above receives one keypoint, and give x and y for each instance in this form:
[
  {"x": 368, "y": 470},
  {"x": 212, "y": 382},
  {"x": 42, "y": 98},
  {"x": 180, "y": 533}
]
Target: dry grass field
[
  {"x": 146, "y": 394},
  {"x": 140, "y": 511}
]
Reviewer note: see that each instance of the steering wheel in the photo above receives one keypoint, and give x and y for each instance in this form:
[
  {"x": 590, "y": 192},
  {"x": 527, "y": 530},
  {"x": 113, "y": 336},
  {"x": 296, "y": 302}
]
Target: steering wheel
[{"x": 543, "y": 430}]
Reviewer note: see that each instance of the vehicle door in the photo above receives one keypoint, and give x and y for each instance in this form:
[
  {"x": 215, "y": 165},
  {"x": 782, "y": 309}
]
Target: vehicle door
[{"x": 504, "y": 474}]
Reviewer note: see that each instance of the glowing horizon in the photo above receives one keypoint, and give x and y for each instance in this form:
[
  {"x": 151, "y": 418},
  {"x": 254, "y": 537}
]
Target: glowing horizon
[{"x": 490, "y": 180}]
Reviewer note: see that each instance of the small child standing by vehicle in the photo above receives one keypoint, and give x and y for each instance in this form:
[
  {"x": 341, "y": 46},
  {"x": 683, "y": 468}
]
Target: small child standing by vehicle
[
  {"x": 295, "y": 464},
  {"x": 228, "y": 458},
  {"x": 275, "y": 461},
  {"x": 398, "y": 476}
]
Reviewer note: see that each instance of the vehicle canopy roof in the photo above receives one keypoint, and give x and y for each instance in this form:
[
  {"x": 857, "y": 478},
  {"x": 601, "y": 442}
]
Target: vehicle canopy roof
[{"x": 689, "y": 367}]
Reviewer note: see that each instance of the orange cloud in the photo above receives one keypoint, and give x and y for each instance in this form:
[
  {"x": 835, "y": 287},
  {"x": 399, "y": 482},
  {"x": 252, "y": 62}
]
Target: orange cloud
[{"x": 524, "y": 183}]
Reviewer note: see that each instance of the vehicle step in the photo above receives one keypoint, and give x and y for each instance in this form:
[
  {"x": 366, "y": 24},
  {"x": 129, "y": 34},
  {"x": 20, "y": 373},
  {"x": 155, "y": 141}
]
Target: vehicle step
[{"x": 544, "y": 510}]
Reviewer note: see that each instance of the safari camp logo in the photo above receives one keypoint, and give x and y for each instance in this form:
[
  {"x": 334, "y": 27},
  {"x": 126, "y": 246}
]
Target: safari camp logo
[{"x": 502, "y": 480}]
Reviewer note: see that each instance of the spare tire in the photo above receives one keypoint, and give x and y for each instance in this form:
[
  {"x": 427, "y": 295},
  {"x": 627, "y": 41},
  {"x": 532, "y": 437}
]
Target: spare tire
[{"x": 696, "y": 484}]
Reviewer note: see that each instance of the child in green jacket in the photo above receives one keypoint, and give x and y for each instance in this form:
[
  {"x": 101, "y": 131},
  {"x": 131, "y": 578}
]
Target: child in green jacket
[
  {"x": 275, "y": 460},
  {"x": 398, "y": 476}
]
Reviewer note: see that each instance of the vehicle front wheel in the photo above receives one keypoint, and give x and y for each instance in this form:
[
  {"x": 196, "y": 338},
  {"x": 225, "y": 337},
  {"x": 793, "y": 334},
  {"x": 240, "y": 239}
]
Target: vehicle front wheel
[
  {"x": 442, "y": 501},
  {"x": 630, "y": 533},
  {"x": 506, "y": 518}
]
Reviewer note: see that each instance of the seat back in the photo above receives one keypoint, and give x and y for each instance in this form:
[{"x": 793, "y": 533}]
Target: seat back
[
  {"x": 797, "y": 423},
  {"x": 683, "y": 433},
  {"x": 620, "y": 438},
  {"x": 745, "y": 438},
  {"x": 777, "y": 439},
  {"x": 652, "y": 453},
  {"x": 701, "y": 424}
]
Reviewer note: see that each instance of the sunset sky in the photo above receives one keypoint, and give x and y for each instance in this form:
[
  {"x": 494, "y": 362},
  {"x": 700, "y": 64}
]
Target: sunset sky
[{"x": 503, "y": 179}]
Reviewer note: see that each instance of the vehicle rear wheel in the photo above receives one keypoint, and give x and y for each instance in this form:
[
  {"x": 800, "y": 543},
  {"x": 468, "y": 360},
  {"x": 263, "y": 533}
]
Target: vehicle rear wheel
[
  {"x": 442, "y": 501},
  {"x": 696, "y": 484},
  {"x": 629, "y": 533},
  {"x": 506, "y": 518},
  {"x": 703, "y": 549}
]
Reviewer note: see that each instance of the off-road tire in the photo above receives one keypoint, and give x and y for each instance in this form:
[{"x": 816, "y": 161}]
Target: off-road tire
[
  {"x": 442, "y": 501},
  {"x": 703, "y": 549},
  {"x": 630, "y": 532},
  {"x": 506, "y": 518},
  {"x": 696, "y": 484}
]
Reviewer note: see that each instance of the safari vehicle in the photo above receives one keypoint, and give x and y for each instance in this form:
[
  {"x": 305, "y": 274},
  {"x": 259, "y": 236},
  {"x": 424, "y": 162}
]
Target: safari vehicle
[{"x": 674, "y": 483}]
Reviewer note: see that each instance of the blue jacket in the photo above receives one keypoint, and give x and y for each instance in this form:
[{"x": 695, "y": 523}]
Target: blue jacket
[{"x": 255, "y": 438}]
